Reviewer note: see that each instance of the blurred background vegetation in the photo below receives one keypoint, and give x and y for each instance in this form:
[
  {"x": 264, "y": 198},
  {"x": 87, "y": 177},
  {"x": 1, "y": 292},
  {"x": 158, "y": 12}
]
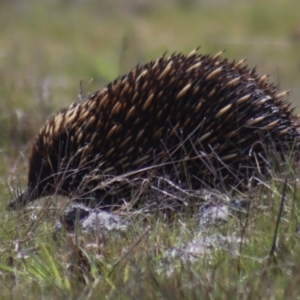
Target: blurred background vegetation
[{"x": 48, "y": 46}]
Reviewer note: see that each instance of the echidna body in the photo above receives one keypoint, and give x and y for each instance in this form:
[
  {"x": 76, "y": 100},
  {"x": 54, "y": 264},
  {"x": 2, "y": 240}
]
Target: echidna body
[{"x": 196, "y": 119}]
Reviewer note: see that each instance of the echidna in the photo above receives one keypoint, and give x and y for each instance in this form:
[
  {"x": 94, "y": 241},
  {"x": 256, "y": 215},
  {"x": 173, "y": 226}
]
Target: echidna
[{"x": 196, "y": 119}]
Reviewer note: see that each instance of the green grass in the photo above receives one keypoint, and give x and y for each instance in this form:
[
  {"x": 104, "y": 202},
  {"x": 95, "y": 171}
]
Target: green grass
[{"x": 47, "y": 47}]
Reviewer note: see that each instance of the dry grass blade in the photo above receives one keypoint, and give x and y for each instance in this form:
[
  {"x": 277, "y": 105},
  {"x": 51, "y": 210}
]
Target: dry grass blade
[
  {"x": 273, "y": 247},
  {"x": 128, "y": 251}
]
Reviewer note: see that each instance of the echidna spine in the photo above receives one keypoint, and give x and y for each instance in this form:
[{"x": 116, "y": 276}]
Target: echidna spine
[{"x": 214, "y": 120}]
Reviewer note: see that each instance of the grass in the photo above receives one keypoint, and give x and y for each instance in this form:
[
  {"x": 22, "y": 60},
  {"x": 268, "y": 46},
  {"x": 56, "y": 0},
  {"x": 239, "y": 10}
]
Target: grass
[
  {"x": 140, "y": 262},
  {"x": 46, "y": 49}
]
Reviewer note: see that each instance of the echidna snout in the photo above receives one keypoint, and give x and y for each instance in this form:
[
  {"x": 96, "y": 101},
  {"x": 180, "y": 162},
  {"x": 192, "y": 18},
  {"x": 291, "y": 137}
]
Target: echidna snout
[{"x": 195, "y": 118}]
